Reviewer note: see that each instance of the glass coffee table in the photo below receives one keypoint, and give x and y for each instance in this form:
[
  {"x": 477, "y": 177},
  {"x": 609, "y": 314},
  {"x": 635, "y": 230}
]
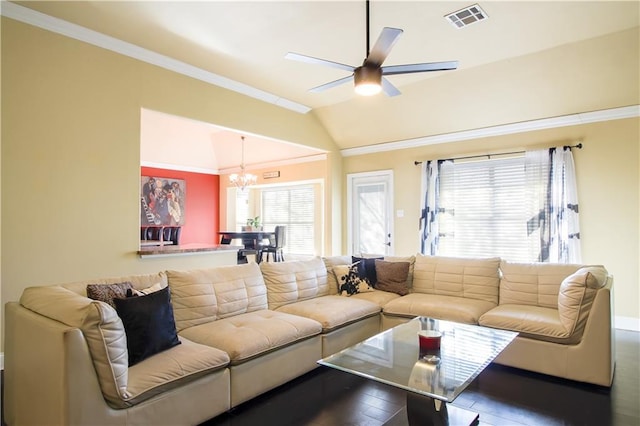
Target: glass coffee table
[{"x": 432, "y": 378}]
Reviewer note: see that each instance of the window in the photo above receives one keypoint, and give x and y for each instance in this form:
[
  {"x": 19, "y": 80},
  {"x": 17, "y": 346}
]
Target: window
[
  {"x": 294, "y": 207},
  {"x": 522, "y": 208},
  {"x": 298, "y": 207},
  {"x": 242, "y": 208},
  {"x": 484, "y": 210}
]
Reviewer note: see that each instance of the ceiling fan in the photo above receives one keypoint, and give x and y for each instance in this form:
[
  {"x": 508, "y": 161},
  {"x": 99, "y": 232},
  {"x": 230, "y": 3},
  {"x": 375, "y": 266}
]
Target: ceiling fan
[{"x": 369, "y": 78}]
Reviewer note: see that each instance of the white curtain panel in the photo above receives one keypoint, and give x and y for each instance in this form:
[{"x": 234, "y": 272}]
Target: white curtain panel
[
  {"x": 537, "y": 171},
  {"x": 552, "y": 200},
  {"x": 565, "y": 226},
  {"x": 428, "y": 219}
]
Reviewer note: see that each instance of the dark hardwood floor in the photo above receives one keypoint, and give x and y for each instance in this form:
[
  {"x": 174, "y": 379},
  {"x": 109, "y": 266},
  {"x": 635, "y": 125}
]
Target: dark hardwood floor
[{"x": 503, "y": 396}]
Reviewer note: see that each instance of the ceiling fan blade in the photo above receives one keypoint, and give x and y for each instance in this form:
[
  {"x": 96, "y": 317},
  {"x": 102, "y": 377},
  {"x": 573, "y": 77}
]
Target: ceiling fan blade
[
  {"x": 331, "y": 84},
  {"x": 312, "y": 60},
  {"x": 413, "y": 68},
  {"x": 382, "y": 48},
  {"x": 388, "y": 88}
]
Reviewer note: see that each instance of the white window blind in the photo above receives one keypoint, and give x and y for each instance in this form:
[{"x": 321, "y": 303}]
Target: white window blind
[
  {"x": 485, "y": 212},
  {"x": 293, "y": 207},
  {"x": 242, "y": 208}
]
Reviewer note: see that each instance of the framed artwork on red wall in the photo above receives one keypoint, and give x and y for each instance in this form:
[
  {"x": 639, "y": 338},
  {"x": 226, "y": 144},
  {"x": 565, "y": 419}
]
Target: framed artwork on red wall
[{"x": 162, "y": 201}]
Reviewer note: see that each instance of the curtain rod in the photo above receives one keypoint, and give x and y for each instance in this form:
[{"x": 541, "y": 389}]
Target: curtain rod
[{"x": 417, "y": 163}]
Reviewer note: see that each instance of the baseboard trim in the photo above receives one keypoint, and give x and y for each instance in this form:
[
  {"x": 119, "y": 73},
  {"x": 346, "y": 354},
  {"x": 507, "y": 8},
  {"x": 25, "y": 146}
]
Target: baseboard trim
[{"x": 627, "y": 323}]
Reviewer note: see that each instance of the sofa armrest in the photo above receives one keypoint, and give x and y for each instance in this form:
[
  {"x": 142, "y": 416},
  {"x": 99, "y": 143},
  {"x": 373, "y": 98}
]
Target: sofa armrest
[
  {"x": 598, "y": 340},
  {"x": 102, "y": 329},
  {"x": 49, "y": 374}
]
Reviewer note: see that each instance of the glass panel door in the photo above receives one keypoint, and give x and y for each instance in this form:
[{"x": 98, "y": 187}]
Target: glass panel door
[{"x": 369, "y": 207}]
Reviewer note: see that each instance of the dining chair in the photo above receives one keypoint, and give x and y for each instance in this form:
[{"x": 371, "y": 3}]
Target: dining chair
[
  {"x": 174, "y": 235},
  {"x": 275, "y": 246},
  {"x": 153, "y": 233},
  {"x": 166, "y": 234}
]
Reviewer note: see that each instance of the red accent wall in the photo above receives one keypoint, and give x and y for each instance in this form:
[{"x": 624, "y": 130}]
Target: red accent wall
[{"x": 201, "y": 207}]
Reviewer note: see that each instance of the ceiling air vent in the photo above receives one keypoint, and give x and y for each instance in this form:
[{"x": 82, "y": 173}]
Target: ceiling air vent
[{"x": 467, "y": 16}]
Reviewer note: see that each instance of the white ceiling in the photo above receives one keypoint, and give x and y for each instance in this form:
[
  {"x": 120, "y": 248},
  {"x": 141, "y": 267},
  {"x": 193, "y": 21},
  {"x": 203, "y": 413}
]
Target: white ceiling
[
  {"x": 528, "y": 61},
  {"x": 167, "y": 141}
]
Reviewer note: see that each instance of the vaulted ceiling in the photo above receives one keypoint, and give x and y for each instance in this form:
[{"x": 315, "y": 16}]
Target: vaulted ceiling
[{"x": 526, "y": 61}]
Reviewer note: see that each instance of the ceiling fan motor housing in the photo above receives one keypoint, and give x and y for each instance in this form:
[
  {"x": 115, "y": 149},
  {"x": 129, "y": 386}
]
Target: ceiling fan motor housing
[{"x": 367, "y": 74}]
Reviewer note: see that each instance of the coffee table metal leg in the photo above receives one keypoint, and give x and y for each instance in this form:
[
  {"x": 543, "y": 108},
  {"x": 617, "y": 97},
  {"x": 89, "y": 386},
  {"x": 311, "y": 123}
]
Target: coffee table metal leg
[{"x": 425, "y": 411}]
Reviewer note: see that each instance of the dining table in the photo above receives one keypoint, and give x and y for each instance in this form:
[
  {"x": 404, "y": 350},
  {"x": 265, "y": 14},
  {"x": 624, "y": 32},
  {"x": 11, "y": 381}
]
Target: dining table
[{"x": 250, "y": 239}]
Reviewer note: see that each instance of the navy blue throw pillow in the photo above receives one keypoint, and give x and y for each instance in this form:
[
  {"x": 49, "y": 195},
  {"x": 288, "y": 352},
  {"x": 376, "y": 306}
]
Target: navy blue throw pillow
[
  {"x": 149, "y": 324},
  {"x": 367, "y": 268}
]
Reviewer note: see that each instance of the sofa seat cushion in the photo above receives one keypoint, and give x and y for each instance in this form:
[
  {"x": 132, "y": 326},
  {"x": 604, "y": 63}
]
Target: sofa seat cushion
[
  {"x": 252, "y": 334},
  {"x": 333, "y": 311},
  {"x": 535, "y": 322},
  {"x": 451, "y": 308},
  {"x": 173, "y": 368},
  {"x": 378, "y": 297}
]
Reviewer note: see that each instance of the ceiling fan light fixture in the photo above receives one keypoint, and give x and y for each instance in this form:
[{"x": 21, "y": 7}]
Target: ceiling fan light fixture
[{"x": 367, "y": 80}]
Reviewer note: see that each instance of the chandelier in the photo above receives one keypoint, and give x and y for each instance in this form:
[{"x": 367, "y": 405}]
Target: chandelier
[{"x": 242, "y": 180}]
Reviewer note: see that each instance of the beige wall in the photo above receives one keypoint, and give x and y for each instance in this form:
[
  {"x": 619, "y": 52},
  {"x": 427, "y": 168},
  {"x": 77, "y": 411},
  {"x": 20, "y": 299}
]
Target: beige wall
[
  {"x": 70, "y": 165},
  {"x": 608, "y": 186},
  {"x": 1, "y": 302},
  {"x": 71, "y": 154}
]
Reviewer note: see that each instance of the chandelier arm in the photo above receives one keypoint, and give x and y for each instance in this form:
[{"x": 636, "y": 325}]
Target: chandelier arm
[{"x": 242, "y": 180}]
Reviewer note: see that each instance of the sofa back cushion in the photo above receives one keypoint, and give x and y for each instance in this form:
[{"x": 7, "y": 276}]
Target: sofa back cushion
[
  {"x": 56, "y": 302},
  {"x": 536, "y": 284},
  {"x": 137, "y": 282},
  {"x": 576, "y": 295},
  {"x": 204, "y": 295},
  {"x": 289, "y": 282},
  {"x": 455, "y": 276},
  {"x": 330, "y": 262}
]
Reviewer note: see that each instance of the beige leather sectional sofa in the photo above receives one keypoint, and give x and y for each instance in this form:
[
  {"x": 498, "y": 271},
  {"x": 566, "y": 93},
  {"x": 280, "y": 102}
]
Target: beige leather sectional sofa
[{"x": 246, "y": 329}]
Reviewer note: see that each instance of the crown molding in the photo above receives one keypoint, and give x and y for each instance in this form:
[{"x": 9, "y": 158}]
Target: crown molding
[
  {"x": 65, "y": 28},
  {"x": 505, "y": 129},
  {"x": 169, "y": 166},
  {"x": 228, "y": 170},
  {"x": 278, "y": 163}
]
